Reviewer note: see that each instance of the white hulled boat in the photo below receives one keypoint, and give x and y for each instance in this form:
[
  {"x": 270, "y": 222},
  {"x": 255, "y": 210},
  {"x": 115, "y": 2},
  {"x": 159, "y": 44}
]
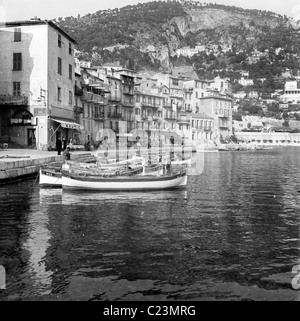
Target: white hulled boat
[{"x": 76, "y": 181}]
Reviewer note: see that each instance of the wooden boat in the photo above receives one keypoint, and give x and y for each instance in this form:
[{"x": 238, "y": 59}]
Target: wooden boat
[
  {"x": 51, "y": 176},
  {"x": 76, "y": 181}
]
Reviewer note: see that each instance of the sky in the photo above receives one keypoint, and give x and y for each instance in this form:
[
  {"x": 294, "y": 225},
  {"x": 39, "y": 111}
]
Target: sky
[{"x": 12, "y": 10}]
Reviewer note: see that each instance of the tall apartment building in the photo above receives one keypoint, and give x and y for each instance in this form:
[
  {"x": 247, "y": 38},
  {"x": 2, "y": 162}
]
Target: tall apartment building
[
  {"x": 37, "y": 83},
  {"x": 193, "y": 90},
  {"x": 219, "y": 107},
  {"x": 149, "y": 107}
]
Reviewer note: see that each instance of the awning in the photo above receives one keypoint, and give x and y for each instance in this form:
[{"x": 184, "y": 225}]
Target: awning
[{"x": 68, "y": 124}]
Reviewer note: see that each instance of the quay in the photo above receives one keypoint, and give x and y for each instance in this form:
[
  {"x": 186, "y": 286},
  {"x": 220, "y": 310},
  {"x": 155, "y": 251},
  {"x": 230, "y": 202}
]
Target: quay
[{"x": 19, "y": 164}]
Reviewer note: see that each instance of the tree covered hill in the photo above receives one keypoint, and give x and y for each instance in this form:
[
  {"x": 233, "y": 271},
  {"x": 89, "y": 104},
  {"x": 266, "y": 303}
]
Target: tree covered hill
[{"x": 150, "y": 36}]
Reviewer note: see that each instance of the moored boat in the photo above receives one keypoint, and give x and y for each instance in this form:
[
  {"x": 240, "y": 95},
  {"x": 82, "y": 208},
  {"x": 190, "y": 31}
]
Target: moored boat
[
  {"x": 75, "y": 181},
  {"x": 50, "y": 176}
]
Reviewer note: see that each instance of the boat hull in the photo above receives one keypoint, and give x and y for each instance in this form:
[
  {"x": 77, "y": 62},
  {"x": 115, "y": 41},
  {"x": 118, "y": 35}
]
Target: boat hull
[
  {"x": 119, "y": 183},
  {"x": 48, "y": 178}
]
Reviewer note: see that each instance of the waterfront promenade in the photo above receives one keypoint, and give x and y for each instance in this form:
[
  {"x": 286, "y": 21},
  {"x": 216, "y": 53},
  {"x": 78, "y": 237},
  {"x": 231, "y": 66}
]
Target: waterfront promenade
[{"x": 20, "y": 163}]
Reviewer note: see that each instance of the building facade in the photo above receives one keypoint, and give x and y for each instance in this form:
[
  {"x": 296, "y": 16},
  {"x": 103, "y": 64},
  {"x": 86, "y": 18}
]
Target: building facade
[
  {"x": 218, "y": 106},
  {"x": 37, "y": 83}
]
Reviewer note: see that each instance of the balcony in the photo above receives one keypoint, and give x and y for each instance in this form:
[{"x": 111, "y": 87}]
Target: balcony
[
  {"x": 128, "y": 104},
  {"x": 92, "y": 82},
  {"x": 167, "y": 105},
  {"x": 114, "y": 98},
  {"x": 128, "y": 82},
  {"x": 21, "y": 100},
  {"x": 223, "y": 124},
  {"x": 93, "y": 98},
  {"x": 179, "y": 96},
  {"x": 223, "y": 115},
  {"x": 130, "y": 93},
  {"x": 170, "y": 116},
  {"x": 149, "y": 105},
  {"x": 78, "y": 91},
  {"x": 99, "y": 116},
  {"x": 105, "y": 88},
  {"x": 78, "y": 110},
  {"x": 183, "y": 120},
  {"x": 114, "y": 115},
  {"x": 128, "y": 118}
]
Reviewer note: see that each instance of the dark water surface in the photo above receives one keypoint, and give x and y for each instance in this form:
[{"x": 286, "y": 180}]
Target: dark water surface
[{"x": 233, "y": 234}]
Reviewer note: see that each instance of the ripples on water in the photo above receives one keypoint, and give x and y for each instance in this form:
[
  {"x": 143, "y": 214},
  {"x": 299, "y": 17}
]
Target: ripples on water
[{"x": 233, "y": 234}]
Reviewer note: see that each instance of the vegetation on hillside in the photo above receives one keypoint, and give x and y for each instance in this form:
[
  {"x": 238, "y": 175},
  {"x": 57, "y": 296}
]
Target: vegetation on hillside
[{"x": 122, "y": 35}]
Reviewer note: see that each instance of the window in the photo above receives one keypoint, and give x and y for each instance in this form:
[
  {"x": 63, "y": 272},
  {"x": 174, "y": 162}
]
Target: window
[
  {"x": 70, "y": 98},
  {"x": 70, "y": 72},
  {"x": 196, "y": 94},
  {"x": 59, "y": 63},
  {"x": 175, "y": 82},
  {"x": 70, "y": 48},
  {"x": 17, "y": 35},
  {"x": 59, "y": 41},
  {"x": 58, "y": 93},
  {"x": 16, "y": 89},
  {"x": 17, "y": 61}
]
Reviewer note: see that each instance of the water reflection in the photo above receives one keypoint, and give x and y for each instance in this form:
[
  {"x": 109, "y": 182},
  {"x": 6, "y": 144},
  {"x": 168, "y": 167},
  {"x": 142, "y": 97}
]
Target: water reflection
[
  {"x": 94, "y": 198},
  {"x": 232, "y": 234},
  {"x": 50, "y": 196},
  {"x": 37, "y": 244}
]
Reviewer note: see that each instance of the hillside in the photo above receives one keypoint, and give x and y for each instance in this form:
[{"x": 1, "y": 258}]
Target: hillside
[{"x": 152, "y": 36}]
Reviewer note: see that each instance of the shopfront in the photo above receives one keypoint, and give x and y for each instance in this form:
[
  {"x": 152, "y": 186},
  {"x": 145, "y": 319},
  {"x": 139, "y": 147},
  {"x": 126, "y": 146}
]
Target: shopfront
[
  {"x": 22, "y": 128},
  {"x": 63, "y": 129}
]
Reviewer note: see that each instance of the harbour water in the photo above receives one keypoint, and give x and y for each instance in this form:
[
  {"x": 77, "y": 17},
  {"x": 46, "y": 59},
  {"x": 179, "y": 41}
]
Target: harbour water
[{"x": 233, "y": 234}]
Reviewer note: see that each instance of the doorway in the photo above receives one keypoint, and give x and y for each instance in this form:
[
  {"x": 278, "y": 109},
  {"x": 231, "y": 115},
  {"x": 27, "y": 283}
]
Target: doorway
[{"x": 31, "y": 138}]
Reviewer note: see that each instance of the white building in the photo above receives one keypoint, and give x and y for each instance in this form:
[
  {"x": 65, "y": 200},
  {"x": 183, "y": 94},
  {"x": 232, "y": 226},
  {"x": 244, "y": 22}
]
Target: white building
[
  {"x": 291, "y": 92},
  {"x": 245, "y": 81},
  {"x": 37, "y": 83}
]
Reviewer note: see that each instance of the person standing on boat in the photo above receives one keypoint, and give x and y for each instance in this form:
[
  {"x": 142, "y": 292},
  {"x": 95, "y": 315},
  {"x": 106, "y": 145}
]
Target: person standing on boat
[
  {"x": 67, "y": 154},
  {"x": 104, "y": 145},
  {"x": 136, "y": 148},
  {"x": 58, "y": 146}
]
